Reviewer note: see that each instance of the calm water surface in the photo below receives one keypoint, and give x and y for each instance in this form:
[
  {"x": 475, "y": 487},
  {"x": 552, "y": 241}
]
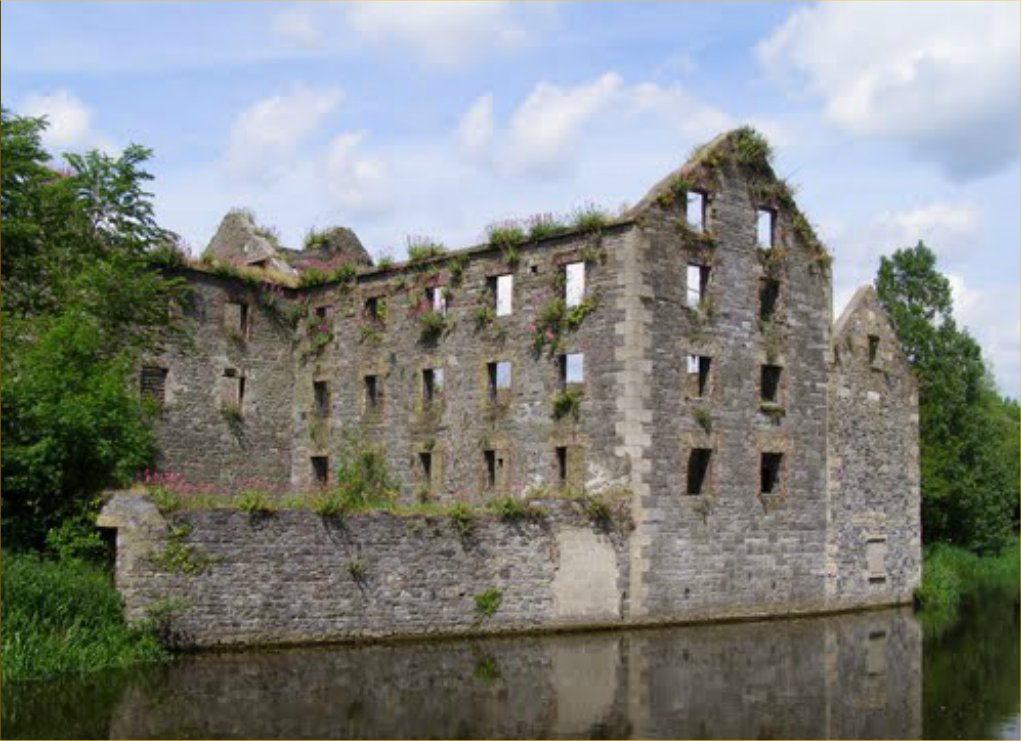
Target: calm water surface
[{"x": 865, "y": 675}]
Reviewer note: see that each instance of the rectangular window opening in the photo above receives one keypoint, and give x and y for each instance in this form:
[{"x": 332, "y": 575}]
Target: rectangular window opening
[
  {"x": 432, "y": 384},
  {"x": 321, "y": 393},
  {"x": 769, "y": 472},
  {"x": 697, "y": 284},
  {"x": 694, "y": 212},
  {"x": 503, "y": 288},
  {"x": 425, "y": 463},
  {"x": 698, "y": 376},
  {"x": 766, "y": 227},
  {"x": 875, "y": 560},
  {"x": 499, "y": 376},
  {"x": 574, "y": 283},
  {"x": 873, "y": 348},
  {"x": 771, "y": 383},
  {"x": 321, "y": 469},
  {"x": 562, "y": 465},
  {"x": 154, "y": 383},
  {"x": 323, "y": 312},
  {"x": 769, "y": 292},
  {"x": 371, "y": 310},
  {"x": 572, "y": 368},
  {"x": 490, "y": 456},
  {"x": 437, "y": 299},
  {"x": 698, "y": 470},
  {"x": 371, "y": 392}
]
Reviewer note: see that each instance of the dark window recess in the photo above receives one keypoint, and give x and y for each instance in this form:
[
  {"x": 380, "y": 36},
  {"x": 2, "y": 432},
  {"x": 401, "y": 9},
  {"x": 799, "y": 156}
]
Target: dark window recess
[
  {"x": 154, "y": 382},
  {"x": 425, "y": 461},
  {"x": 698, "y": 469},
  {"x": 241, "y": 390},
  {"x": 323, "y": 312},
  {"x": 428, "y": 385},
  {"x": 235, "y": 317},
  {"x": 769, "y": 292},
  {"x": 873, "y": 348},
  {"x": 499, "y": 377},
  {"x": 371, "y": 392},
  {"x": 769, "y": 472},
  {"x": 371, "y": 310},
  {"x": 321, "y": 469},
  {"x": 698, "y": 375},
  {"x": 321, "y": 392},
  {"x": 771, "y": 383},
  {"x": 490, "y": 456},
  {"x": 562, "y": 465}
]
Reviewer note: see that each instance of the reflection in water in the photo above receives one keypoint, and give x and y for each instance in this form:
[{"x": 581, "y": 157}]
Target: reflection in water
[{"x": 853, "y": 676}]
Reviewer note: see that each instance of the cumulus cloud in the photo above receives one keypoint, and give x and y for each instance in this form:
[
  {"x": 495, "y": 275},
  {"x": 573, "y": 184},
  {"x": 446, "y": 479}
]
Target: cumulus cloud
[
  {"x": 475, "y": 131},
  {"x": 990, "y": 314},
  {"x": 356, "y": 181},
  {"x": 267, "y": 133},
  {"x": 444, "y": 34},
  {"x": 545, "y": 127},
  {"x": 947, "y": 227},
  {"x": 70, "y": 121},
  {"x": 295, "y": 25},
  {"x": 941, "y": 78}
]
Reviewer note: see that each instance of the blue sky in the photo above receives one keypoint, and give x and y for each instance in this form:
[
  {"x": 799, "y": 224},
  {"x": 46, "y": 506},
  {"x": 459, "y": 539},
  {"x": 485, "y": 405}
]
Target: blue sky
[{"x": 899, "y": 121}]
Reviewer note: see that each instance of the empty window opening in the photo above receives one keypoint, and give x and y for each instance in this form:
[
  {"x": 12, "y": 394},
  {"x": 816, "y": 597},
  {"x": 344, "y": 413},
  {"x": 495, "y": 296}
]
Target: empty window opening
[
  {"x": 694, "y": 212},
  {"x": 698, "y": 470},
  {"x": 873, "y": 348},
  {"x": 321, "y": 469},
  {"x": 562, "y": 465},
  {"x": 371, "y": 392},
  {"x": 235, "y": 317},
  {"x": 425, "y": 464},
  {"x": 436, "y": 297},
  {"x": 769, "y": 292},
  {"x": 574, "y": 283},
  {"x": 432, "y": 384},
  {"x": 698, "y": 282},
  {"x": 534, "y": 268},
  {"x": 503, "y": 288},
  {"x": 499, "y": 376},
  {"x": 233, "y": 388},
  {"x": 698, "y": 375},
  {"x": 154, "y": 383},
  {"x": 572, "y": 368},
  {"x": 494, "y": 468},
  {"x": 373, "y": 310},
  {"x": 766, "y": 227},
  {"x": 323, "y": 312},
  {"x": 241, "y": 391},
  {"x": 771, "y": 383},
  {"x": 769, "y": 472},
  {"x": 321, "y": 393}
]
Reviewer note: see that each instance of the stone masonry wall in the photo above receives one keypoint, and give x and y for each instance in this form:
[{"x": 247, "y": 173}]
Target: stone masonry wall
[
  {"x": 732, "y": 549},
  {"x": 226, "y": 577},
  {"x": 874, "y": 536}
]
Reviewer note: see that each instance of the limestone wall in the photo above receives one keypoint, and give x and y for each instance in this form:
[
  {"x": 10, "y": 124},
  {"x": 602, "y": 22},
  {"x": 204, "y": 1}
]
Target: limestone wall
[{"x": 226, "y": 577}]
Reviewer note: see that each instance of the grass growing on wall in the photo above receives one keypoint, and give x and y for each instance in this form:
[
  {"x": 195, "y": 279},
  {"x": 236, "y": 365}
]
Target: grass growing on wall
[
  {"x": 951, "y": 574},
  {"x": 64, "y": 617}
]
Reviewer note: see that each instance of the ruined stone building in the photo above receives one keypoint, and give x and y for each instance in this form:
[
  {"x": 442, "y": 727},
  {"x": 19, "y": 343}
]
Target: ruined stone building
[{"x": 685, "y": 353}]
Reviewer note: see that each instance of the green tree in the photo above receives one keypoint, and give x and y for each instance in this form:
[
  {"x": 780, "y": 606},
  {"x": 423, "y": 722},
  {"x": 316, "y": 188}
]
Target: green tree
[
  {"x": 81, "y": 302},
  {"x": 968, "y": 433}
]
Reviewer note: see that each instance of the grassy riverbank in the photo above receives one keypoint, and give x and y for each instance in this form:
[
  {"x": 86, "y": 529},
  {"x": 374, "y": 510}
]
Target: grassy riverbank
[
  {"x": 64, "y": 617},
  {"x": 950, "y": 575}
]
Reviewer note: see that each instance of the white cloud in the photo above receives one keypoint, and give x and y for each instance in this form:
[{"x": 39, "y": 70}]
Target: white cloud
[
  {"x": 687, "y": 115},
  {"x": 70, "y": 121},
  {"x": 295, "y": 25},
  {"x": 475, "y": 131},
  {"x": 990, "y": 315},
  {"x": 939, "y": 77},
  {"x": 267, "y": 133},
  {"x": 356, "y": 181},
  {"x": 445, "y": 34},
  {"x": 544, "y": 129},
  {"x": 948, "y": 228}
]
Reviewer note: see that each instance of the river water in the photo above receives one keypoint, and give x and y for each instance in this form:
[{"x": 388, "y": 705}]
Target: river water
[{"x": 864, "y": 675}]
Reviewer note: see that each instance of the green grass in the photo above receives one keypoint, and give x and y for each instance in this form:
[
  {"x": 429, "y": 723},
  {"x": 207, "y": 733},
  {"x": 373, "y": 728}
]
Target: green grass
[
  {"x": 65, "y": 618},
  {"x": 951, "y": 574}
]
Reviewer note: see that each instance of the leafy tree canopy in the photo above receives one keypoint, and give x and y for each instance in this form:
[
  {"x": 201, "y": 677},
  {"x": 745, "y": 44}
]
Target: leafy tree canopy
[
  {"x": 81, "y": 303},
  {"x": 969, "y": 435}
]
